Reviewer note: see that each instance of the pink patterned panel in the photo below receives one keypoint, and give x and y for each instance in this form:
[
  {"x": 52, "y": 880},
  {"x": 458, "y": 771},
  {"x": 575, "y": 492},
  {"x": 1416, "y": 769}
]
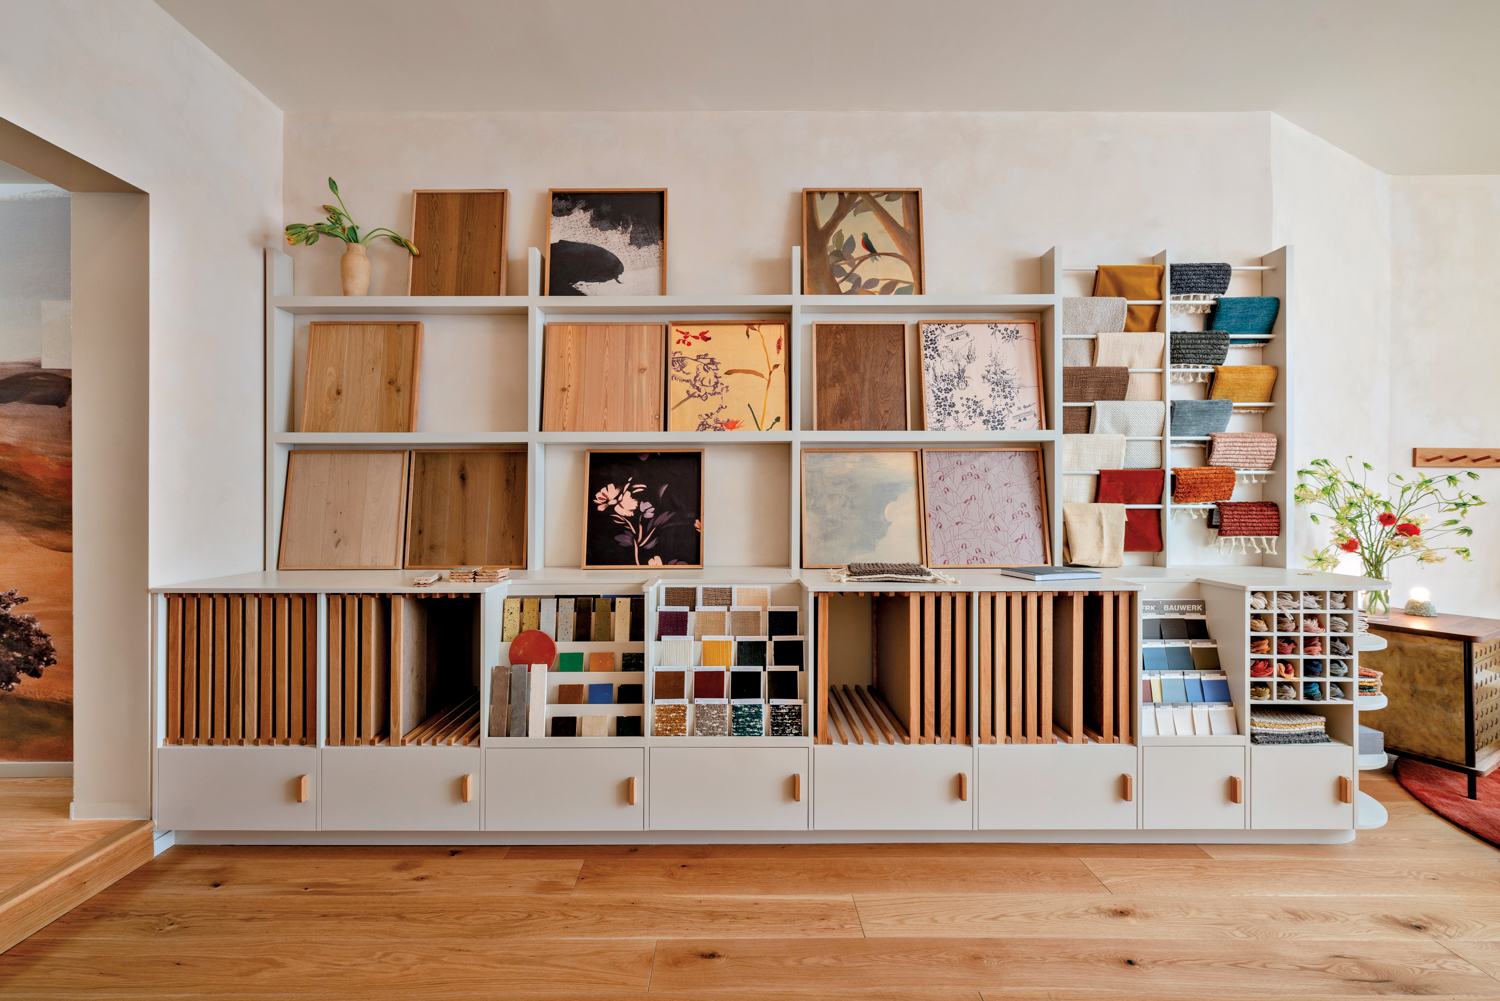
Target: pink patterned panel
[{"x": 985, "y": 509}]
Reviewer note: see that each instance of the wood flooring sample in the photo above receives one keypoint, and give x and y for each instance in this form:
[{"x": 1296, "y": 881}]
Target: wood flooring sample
[
  {"x": 860, "y": 376},
  {"x": 362, "y": 377},
  {"x": 343, "y": 511},
  {"x": 603, "y": 377},
  {"x": 461, "y": 238},
  {"x": 468, "y": 508}
]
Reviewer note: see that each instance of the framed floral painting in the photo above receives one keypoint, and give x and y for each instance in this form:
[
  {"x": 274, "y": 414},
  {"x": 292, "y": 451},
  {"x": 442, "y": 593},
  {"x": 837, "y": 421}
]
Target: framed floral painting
[
  {"x": 862, "y": 242},
  {"x": 727, "y": 377},
  {"x": 643, "y": 509},
  {"x": 981, "y": 375},
  {"x": 985, "y": 507}
]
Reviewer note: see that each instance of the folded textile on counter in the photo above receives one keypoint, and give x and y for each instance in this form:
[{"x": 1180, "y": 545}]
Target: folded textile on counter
[
  {"x": 1369, "y": 681},
  {"x": 1133, "y": 281},
  {"x": 1141, "y": 349},
  {"x": 912, "y": 573},
  {"x": 1199, "y": 418},
  {"x": 1202, "y": 484},
  {"x": 1133, "y": 419},
  {"x": 1245, "y": 315},
  {"x": 1242, "y": 449},
  {"x": 1290, "y": 738},
  {"x": 1243, "y": 383},
  {"x": 1096, "y": 382},
  {"x": 1094, "y": 535},
  {"x": 1211, "y": 278},
  {"x": 1199, "y": 347},
  {"x": 1135, "y": 486},
  {"x": 1247, "y": 525},
  {"x": 1287, "y": 726}
]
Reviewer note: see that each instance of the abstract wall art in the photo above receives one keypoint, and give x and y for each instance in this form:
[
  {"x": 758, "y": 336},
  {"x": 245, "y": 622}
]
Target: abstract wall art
[
  {"x": 727, "y": 377},
  {"x": 607, "y": 242},
  {"x": 982, "y": 376},
  {"x": 860, "y": 505},
  {"x": 985, "y": 507},
  {"x": 862, "y": 242},
  {"x": 643, "y": 509}
]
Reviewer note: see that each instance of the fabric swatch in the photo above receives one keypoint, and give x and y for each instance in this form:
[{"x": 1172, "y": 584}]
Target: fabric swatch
[
  {"x": 781, "y": 684},
  {"x": 1076, "y": 420},
  {"x": 1143, "y": 349},
  {"x": 671, "y": 622},
  {"x": 1133, "y": 281},
  {"x": 750, "y": 653},
  {"x": 1134, "y": 419},
  {"x": 787, "y": 652},
  {"x": 708, "y": 622},
  {"x": 601, "y": 661},
  {"x": 1260, "y": 519},
  {"x": 570, "y": 661},
  {"x": 1092, "y": 315},
  {"x": 708, "y": 684},
  {"x": 984, "y": 508},
  {"x": 1085, "y": 385},
  {"x": 1200, "y": 279},
  {"x": 1243, "y": 383},
  {"x": 747, "y": 720},
  {"x": 674, "y": 653},
  {"x": 1078, "y": 352},
  {"x": 1244, "y": 315},
  {"x": 786, "y": 721},
  {"x": 746, "y": 622},
  {"x": 1202, "y": 484},
  {"x": 627, "y": 726},
  {"x": 1198, "y": 418},
  {"x": 1242, "y": 449},
  {"x": 1093, "y": 451},
  {"x": 632, "y": 661},
  {"x": 1135, "y": 486},
  {"x": 570, "y": 695},
  {"x": 669, "y": 685},
  {"x": 629, "y": 695},
  {"x": 1199, "y": 347},
  {"x": 564, "y": 726},
  {"x": 745, "y": 684},
  {"x": 783, "y": 622},
  {"x": 602, "y": 694},
  {"x": 680, "y": 597},
  {"x": 709, "y": 597},
  {"x": 710, "y": 720},
  {"x": 669, "y": 721},
  {"x": 593, "y": 726},
  {"x": 752, "y": 597},
  {"x": 1094, "y": 534},
  {"x": 1079, "y": 489},
  {"x": 718, "y": 653}
]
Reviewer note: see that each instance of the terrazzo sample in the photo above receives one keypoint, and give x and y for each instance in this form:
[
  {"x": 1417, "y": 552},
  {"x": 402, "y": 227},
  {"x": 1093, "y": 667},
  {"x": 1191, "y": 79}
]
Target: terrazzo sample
[
  {"x": 669, "y": 721},
  {"x": 747, "y": 719}
]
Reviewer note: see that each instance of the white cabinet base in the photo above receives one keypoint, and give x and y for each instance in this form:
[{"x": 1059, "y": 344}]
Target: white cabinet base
[
  {"x": 236, "y": 788},
  {"x": 893, "y": 788},
  {"x": 1058, "y": 787},
  {"x": 564, "y": 789},
  {"x": 1296, "y": 787},
  {"x": 1191, "y": 788},
  {"x": 729, "y": 788},
  {"x": 400, "y": 788}
]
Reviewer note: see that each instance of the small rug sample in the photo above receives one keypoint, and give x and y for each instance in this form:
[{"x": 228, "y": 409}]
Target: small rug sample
[{"x": 1447, "y": 794}]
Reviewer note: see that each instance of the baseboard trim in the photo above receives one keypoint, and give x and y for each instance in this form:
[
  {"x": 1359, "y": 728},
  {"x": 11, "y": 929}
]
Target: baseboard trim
[
  {"x": 36, "y": 769},
  {"x": 36, "y": 902}
]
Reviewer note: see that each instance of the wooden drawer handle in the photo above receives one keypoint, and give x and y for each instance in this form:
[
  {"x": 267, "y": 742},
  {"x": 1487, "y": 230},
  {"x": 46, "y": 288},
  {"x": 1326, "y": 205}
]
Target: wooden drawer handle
[
  {"x": 1127, "y": 781},
  {"x": 1236, "y": 789},
  {"x": 797, "y": 788},
  {"x": 468, "y": 788},
  {"x": 632, "y": 786},
  {"x": 303, "y": 788},
  {"x": 1346, "y": 789},
  {"x": 963, "y": 786}
]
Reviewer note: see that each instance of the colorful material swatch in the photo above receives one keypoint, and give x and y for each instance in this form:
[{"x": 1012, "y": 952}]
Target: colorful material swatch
[
  {"x": 781, "y": 684},
  {"x": 1202, "y": 484},
  {"x": 564, "y": 726},
  {"x": 1242, "y": 449},
  {"x": 671, "y": 622},
  {"x": 674, "y": 653},
  {"x": 601, "y": 661},
  {"x": 570, "y": 695},
  {"x": 602, "y": 694},
  {"x": 1242, "y": 315},
  {"x": 715, "y": 596},
  {"x": 531, "y": 613},
  {"x": 603, "y": 626},
  {"x": 632, "y": 661},
  {"x": 745, "y": 684},
  {"x": 571, "y": 661},
  {"x": 630, "y": 695},
  {"x": 670, "y": 685},
  {"x": 753, "y": 597},
  {"x": 747, "y": 720},
  {"x": 1135, "y": 486},
  {"x": 746, "y": 622},
  {"x": 627, "y": 726},
  {"x": 593, "y": 726},
  {"x": 750, "y": 653},
  {"x": 786, "y": 720},
  {"x": 787, "y": 651},
  {"x": 1206, "y": 658},
  {"x": 782, "y": 622},
  {"x": 669, "y": 721},
  {"x": 680, "y": 597},
  {"x": 710, "y": 623},
  {"x": 564, "y": 620},
  {"x": 718, "y": 653},
  {"x": 510, "y": 620},
  {"x": 1141, "y": 282},
  {"x": 1198, "y": 418},
  {"x": 708, "y": 684},
  {"x": 710, "y": 720},
  {"x": 1240, "y": 383}
]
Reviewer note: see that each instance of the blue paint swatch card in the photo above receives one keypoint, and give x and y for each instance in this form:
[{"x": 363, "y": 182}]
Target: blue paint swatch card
[
  {"x": 1173, "y": 690},
  {"x": 1179, "y": 658},
  {"x": 1194, "y": 689},
  {"x": 1156, "y": 658},
  {"x": 1216, "y": 690}
]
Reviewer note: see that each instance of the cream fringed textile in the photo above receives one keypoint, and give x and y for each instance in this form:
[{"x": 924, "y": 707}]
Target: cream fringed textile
[
  {"x": 1088, "y": 315},
  {"x": 1143, "y": 349},
  {"x": 1094, "y": 535},
  {"x": 1134, "y": 419}
]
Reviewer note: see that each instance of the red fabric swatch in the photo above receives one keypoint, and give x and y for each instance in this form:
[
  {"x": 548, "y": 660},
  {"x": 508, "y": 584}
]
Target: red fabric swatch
[{"x": 1135, "y": 486}]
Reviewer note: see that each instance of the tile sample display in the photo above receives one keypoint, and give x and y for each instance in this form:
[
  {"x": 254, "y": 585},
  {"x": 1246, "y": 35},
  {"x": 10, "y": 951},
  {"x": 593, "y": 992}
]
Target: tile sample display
[
  {"x": 786, "y": 719},
  {"x": 643, "y": 509},
  {"x": 860, "y": 506},
  {"x": 727, "y": 377},
  {"x": 985, "y": 508},
  {"x": 593, "y": 726},
  {"x": 607, "y": 242},
  {"x": 859, "y": 376},
  {"x": 747, "y": 719},
  {"x": 462, "y": 239},
  {"x": 362, "y": 377},
  {"x": 862, "y": 242},
  {"x": 603, "y": 377},
  {"x": 982, "y": 376}
]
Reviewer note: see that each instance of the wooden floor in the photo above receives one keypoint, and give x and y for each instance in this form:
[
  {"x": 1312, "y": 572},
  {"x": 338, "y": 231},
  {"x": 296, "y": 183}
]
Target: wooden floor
[
  {"x": 1412, "y": 908},
  {"x": 35, "y": 832}
]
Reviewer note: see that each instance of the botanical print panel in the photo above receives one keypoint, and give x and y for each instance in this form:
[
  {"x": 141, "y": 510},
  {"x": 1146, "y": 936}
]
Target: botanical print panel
[
  {"x": 985, "y": 508},
  {"x": 981, "y": 376},
  {"x": 644, "y": 509},
  {"x": 727, "y": 377},
  {"x": 860, "y": 506},
  {"x": 607, "y": 243},
  {"x": 862, "y": 242}
]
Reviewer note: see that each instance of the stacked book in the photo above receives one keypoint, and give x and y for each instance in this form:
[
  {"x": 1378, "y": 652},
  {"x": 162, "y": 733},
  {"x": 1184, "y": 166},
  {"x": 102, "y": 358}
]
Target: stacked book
[{"x": 1285, "y": 726}]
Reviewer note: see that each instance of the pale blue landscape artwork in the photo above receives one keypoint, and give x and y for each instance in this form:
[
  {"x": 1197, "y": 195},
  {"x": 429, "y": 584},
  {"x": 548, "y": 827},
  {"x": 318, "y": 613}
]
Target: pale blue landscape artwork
[{"x": 860, "y": 506}]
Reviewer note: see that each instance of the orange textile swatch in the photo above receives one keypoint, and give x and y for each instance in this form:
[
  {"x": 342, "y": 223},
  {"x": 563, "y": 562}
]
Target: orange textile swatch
[
  {"x": 1243, "y": 383},
  {"x": 1132, "y": 281},
  {"x": 1202, "y": 484}
]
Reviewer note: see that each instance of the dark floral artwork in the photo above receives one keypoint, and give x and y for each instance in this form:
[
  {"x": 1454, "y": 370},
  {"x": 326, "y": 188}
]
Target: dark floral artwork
[
  {"x": 644, "y": 509},
  {"x": 727, "y": 377},
  {"x": 981, "y": 376}
]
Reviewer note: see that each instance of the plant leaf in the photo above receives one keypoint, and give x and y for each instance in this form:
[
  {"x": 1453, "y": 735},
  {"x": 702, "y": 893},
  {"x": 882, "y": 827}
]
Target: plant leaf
[{"x": 333, "y": 186}]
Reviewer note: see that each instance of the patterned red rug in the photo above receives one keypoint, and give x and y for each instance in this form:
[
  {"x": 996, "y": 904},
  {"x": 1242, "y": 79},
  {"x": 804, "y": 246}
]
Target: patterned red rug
[{"x": 1446, "y": 793}]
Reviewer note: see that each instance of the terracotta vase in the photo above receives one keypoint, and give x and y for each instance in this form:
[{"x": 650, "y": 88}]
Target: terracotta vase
[{"x": 354, "y": 269}]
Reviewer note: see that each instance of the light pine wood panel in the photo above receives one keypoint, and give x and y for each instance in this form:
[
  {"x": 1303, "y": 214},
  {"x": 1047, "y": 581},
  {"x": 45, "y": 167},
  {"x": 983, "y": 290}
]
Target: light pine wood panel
[
  {"x": 1270, "y": 877},
  {"x": 467, "y": 508},
  {"x": 1287, "y": 968},
  {"x": 343, "y": 511},
  {"x": 857, "y": 875},
  {"x": 362, "y": 377},
  {"x": 603, "y": 377},
  {"x": 1090, "y": 916},
  {"x": 859, "y": 376},
  {"x": 937, "y": 850},
  {"x": 461, "y": 236}
]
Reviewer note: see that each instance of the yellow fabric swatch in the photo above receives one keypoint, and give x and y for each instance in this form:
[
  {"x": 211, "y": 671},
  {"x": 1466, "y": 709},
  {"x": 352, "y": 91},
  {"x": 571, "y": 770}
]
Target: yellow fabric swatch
[
  {"x": 718, "y": 653},
  {"x": 1243, "y": 383},
  {"x": 1132, "y": 281}
]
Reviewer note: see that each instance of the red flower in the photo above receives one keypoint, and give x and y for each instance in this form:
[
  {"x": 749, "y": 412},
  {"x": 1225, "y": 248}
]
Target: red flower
[
  {"x": 1387, "y": 519},
  {"x": 733, "y": 424},
  {"x": 1350, "y": 545},
  {"x": 1407, "y": 529}
]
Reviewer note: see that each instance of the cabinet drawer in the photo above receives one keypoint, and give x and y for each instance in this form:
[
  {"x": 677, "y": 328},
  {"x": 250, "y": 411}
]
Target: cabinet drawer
[
  {"x": 236, "y": 788},
  {"x": 729, "y": 788},
  {"x": 564, "y": 789},
  {"x": 1190, "y": 788},
  {"x": 1296, "y": 788},
  {"x": 400, "y": 788},
  {"x": 1057, "y": 787},
  {"x": 892, "y": 788}
]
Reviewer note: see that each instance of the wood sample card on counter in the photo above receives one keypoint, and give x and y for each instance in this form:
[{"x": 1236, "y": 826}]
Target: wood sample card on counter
[
  {"x": 603, "y": 377},
  {"x": 343, "y": 511},
  {"x": 362, "y": 377},
  {"x": 859, "y": 376},
  {"x": 461, "y": 236},
  {"x": 467, "y": 507}
]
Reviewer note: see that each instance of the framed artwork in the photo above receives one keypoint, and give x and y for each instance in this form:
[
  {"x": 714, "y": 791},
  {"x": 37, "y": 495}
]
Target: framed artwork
[
  {"x": 607, "y": 242},
  {"x": 982, "y": 375},
  {"x": 859, "y": 377},
  {"x": 727, "y": 377},
  {"x": 643, "y": 509},
  {"x": 985, "y": 507},
  {"x": 862, "y": 242},
  {"x": 861, "y": 505}
]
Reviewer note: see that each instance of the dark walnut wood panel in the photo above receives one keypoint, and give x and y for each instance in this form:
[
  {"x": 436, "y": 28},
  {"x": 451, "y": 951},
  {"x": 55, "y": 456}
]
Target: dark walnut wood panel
[
  {"x": 860, "y": 372},
  {"x": 468, "y": 508}
]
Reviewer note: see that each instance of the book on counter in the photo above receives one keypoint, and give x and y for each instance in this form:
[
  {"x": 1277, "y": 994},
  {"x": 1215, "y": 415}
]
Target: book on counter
[{"x": 1050, "y": 573}]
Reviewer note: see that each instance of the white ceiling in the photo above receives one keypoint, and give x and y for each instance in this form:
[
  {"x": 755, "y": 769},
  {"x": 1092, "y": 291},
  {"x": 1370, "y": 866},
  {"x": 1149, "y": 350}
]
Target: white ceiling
[{"x": 1407, "y": 86}]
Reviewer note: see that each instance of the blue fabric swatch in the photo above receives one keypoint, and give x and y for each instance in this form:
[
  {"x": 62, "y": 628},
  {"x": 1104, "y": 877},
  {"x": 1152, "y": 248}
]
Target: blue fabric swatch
[{"x": 1249, "y": 314}]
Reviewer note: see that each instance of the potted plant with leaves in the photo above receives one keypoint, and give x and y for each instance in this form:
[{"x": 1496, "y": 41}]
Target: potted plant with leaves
[
  {"x": 1381, "y": 529},
  {"x": 354, "y": 266}
]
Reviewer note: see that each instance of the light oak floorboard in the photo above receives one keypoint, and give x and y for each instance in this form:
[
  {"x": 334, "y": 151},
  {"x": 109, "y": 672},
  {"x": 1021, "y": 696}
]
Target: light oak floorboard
[
  {"x": 1485, "y": 955},
  {"x": 831, "y": 851},
  {"x": 35, "y": 798},
  {"x": 1360, "y": 919},
  {"x": 32, "y": 845},
  {"x": 1307, "y": 877},
  {"x": 794, "y": 877},
  {"x": 1292, "y": 968},
  {"x": 1412, "y": 832}
]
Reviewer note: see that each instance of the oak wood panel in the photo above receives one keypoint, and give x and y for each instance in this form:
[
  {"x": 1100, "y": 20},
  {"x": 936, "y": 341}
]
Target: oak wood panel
[
  {"x": 205, "y": 625},
  {"x": 351, "y": 668},
  {"x": 603, "y": 377},
  {"x": 859, "y": 377},
  {"x": 236, "y": 732},
  {"x": 335, "y": 670},
  {"x": 1484, "y": 955},
  {"x": 847, "y": 875},
  {"x": 1032, "y": 678},
  {"x": 467, "y": 508},
  {"x": 310, "y": 670},
  {"x": 295, "y": 704},
  {"x": 281, "y": 708},
  {"x": 267, "y": 668},
  {"x": 174, "y": 668},
  {"x": 461, "y": 236},
  {"x": 1044, "y": 684},
  {"x": 1267, "y": 877},
  {"x": 986, "y": 708},
  {"x": 35, "y": 798},
  {"x": 1015, "y": 630},
  {"x": 343, "y": 511},
  {"x": 251, "y": 660},
  {"x": 1124, "y": 616},
  {"x": 944, "y": 672},
  {"x": 928, "y": 721},
  {"x": 362, "y": 377},
  {"x": 221, "y": 669},
  {"x": 34, "y": 845}
]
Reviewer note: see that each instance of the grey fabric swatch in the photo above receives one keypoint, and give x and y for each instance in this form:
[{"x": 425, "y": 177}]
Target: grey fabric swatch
[{"x": 1198, "y": 418}]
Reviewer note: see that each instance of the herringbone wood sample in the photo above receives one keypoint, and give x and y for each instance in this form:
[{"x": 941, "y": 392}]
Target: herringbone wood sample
[
  {"x": 860, "y": 381},
  {"x": 461, "y": 236},
  {"x": 343, "y": 511},
  {"x": 362, "y": 377},
  {"x": 467, "y": 508},
  {"x": 603, "y": 377}
]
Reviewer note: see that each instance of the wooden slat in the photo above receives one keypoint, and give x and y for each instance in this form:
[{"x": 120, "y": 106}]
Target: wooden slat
[
  {"x": 999, "y": 644},
  {"x": 205, "y": 669},
  {"x": 1123, "y": 661},
  {"x": 961, "y": 669},
  {"x": 846, "y": 710},
  {"x": 1107, "y": 663},
  {"x": 1044, "y": 687},
  {"x": 985, "y": 709},
  {"x": 236, "y": 638},
  {"x": 310, "y": 669},
  {"x": 1014, "y": 666},
  {"x": 267, "y": 668},
  {"x": 174, "y": 669},
  {"x": 821, "y": 683},
  {"x": 221, "y": 669},
  {"x": 335, "y": 670},
  {"x": 871, "y": 707},
  {"x": 929, "y": 668},
  {"x": 1068, "y": 676},
  {"x": 368, "y": 654},
  {"x": 944, "y": 669},
  {"x": 835, "y": 716},
  {"x": 295, "y": 702},
  {"x": 398, "y": 665},
  {"x": 283, "y": 675},
  {"x": 1033, "y": 669},
  {"x": 351, "y": 668},
  {"x": 252, "y": 668}
]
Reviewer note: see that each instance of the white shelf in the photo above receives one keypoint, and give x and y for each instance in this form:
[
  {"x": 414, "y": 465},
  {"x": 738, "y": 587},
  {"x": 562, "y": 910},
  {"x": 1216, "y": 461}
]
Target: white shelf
[
  {"x": 1372, "y": 762},
  {"x": 1370, "y": 703},
  {"x": 1369, "y": 642},
  {"x": 1371, "y": 813}
]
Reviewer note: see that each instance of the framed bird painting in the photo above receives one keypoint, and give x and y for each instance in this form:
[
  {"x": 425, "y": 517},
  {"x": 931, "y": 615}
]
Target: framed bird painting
[
  {"x": 862, "y": 242},
  {"x": 607, "y": 242}
]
